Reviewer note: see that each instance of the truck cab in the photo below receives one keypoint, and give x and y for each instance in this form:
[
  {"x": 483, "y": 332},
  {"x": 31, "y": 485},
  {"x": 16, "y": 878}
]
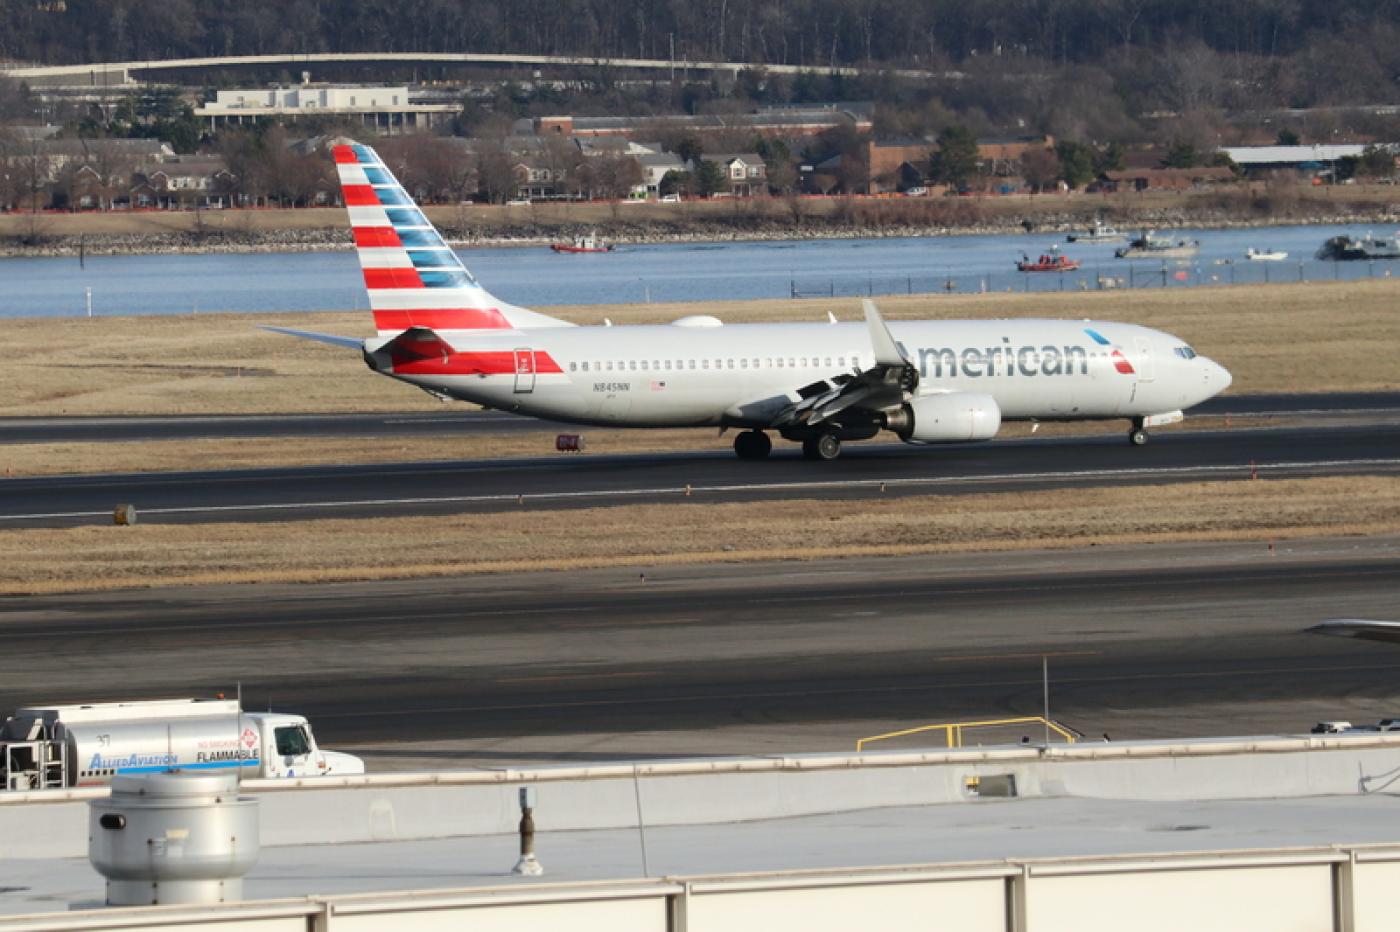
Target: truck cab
[{"x": 289, "y": 748}]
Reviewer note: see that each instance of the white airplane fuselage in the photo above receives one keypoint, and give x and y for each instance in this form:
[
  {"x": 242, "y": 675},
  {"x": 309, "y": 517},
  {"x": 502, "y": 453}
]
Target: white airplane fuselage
[
  {"x": 677, "y": 375},
  {"x": 820, "y": 384}
]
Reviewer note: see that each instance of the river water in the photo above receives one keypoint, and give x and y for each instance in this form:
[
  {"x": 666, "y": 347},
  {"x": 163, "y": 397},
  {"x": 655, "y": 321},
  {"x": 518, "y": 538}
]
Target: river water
[{"x": 536, "y": 277}]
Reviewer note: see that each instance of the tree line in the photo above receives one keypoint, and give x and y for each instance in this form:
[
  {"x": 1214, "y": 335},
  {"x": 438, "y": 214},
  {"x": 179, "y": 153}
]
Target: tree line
[{"x": 812, "y": 33}]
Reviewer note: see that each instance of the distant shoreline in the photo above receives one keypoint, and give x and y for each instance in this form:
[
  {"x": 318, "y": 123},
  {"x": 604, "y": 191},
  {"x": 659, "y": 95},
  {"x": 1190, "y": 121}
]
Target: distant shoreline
[{"x": 325, "y": 229}]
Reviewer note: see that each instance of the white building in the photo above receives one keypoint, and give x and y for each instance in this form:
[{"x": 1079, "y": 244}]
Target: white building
[{"x": 388, "y": 109}]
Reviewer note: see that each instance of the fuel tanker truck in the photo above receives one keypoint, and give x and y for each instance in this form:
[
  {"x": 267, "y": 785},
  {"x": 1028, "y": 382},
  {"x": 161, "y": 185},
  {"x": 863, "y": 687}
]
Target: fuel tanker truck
[{"x": 58, "y": 746}]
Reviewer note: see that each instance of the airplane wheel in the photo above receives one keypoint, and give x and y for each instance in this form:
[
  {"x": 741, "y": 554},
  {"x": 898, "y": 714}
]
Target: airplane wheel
[
  {"x": 824, "y": 448},
  {"x": 752, "y": 445},
  {"x": 1137, "y": 436}
]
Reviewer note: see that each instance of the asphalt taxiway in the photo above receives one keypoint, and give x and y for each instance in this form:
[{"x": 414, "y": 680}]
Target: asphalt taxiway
[
  {"x": 1159, "y": 641},
  {"x": 453, "y": 420},
  {"x": 427, "y": 488}
]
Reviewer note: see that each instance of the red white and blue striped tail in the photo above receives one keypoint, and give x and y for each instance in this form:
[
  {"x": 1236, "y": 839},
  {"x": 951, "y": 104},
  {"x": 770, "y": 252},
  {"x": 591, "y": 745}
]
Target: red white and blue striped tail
[{"x": 413, "y": 277}]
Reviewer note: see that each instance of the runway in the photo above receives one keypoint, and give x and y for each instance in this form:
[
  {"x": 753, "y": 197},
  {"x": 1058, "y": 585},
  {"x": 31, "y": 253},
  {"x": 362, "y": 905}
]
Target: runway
[
  {"x": 459, "y": 419},
  {"x": 1155, "y": 641},
  {"x": 427, "y": 488}
]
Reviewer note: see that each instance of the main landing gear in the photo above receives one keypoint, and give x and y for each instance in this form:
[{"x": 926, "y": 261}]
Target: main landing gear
[
  {"x": 823, "y": 447},
  {"x": 1137, "y": 434},
  {"x": 752, "y": 445}
]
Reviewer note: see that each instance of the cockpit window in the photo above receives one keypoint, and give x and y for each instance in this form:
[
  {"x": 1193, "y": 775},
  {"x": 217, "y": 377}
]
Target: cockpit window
[{"x": 1185, "y": 352}]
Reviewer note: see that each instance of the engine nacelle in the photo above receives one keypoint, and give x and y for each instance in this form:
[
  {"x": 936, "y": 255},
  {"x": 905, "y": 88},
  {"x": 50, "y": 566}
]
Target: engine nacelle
[{"x": 947, "y": 418}]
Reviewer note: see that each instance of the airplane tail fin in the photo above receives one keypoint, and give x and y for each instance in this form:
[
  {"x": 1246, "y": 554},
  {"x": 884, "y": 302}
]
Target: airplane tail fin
[{"x": 413, "y": 277}]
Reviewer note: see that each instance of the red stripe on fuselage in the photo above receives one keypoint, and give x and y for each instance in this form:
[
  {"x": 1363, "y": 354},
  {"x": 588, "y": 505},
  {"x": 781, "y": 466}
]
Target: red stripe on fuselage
[
  {"x": 457, "y": 318},
  {"x": 376, "y": 237},
  {"x": 392, "y": 278},
  {"x": 490, "y": 363},
  {"x": 359, "y": 195},
  {"x": 1120, "y": 362}
]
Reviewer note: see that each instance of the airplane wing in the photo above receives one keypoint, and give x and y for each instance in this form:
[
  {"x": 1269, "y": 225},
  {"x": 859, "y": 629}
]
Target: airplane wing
[
  {"x": 1360, "y": 628},
  {"x": 887, "y": 382}
]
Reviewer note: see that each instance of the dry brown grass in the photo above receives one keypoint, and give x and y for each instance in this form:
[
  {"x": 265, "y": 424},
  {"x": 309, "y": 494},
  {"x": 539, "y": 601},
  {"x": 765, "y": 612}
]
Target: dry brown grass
[
  {"x": 690, "y": 531},
  {"x": 1297, "y": 337}
]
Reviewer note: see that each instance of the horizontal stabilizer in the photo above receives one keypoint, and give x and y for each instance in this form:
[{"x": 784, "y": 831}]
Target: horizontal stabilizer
[{"x": 350, "y": 342}]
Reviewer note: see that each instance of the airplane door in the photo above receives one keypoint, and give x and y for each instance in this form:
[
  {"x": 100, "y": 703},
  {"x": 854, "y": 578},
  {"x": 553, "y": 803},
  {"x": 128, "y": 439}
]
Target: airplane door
[
  {"x": 524, "y": 371},
  {"x": 1147, "y": 367}
]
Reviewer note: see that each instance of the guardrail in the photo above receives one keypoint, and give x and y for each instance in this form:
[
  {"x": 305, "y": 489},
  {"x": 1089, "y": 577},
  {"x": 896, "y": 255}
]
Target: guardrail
[
  {"x": 809, "y": 763},
  {"x": 953, "y": 731}
]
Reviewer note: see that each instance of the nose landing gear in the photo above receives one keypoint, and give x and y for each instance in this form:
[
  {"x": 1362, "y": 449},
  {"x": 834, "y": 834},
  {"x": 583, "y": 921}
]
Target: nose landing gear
[{"x": 1137, "y": 434}]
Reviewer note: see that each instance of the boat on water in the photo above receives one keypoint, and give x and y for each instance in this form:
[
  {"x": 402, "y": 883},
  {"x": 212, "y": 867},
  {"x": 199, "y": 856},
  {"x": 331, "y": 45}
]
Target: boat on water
[
  {"x": 589, "y": 243},
  {"x": 1265, "y": 255},
  {"x": 1048, "y": 262},
  {"x": 1100, "y": 232},
  {"x": 1151, "y": 246},
  {"x": 1346, "y": 248}
]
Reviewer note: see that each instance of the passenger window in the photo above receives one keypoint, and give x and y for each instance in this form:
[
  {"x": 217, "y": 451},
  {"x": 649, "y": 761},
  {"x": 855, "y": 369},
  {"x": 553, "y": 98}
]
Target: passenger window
[
  {"x": 743, "y": 364},
  {"x": 780, "y": 363},
  {"x": 827, "y": 361},
  {"x": 573, "y": 367},
  {"x": 632, "y": 364},
  {"x": 705, "y": 364},
  {"x": 644, "y": 365}
]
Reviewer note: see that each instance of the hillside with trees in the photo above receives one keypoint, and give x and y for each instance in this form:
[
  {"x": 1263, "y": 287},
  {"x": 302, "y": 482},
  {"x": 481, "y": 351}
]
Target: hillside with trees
[{"x": 1181, "y": 54}]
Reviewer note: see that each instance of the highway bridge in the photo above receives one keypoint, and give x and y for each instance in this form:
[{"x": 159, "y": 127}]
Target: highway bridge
[{"x": 112, "y": 74}]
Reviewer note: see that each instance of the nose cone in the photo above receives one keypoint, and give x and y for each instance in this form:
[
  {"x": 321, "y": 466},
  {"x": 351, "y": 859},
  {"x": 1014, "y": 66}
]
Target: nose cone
[
  {"x": 1218, "y": 376},
  {"x": 1215, "y": 379}
]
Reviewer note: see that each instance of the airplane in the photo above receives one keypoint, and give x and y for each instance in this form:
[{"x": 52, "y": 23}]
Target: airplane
[{"x": 819, "y": 384}]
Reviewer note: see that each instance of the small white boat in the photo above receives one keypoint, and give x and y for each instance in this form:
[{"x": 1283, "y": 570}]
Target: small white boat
[
  {"x": 1265, "y": 255},
  {"x": 1100, "y": 232}
]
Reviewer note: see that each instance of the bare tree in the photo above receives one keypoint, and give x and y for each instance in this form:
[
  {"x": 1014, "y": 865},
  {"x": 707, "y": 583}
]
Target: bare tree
[
  {"x": 1039, "y": 167},
  {"x": 495, "y": 172},
  {"x": 110, "y": 164}
]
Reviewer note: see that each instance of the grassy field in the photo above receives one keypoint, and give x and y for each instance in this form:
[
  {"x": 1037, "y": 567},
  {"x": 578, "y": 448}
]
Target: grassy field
[
  {"x": 1243, "y": 202},
  {"x": 1280, "y": 338},
  {"x": 646, "y": 535}
]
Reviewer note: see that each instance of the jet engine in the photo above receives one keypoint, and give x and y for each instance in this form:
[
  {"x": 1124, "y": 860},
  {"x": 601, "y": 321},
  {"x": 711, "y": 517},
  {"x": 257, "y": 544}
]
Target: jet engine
[{"x": 946, "y": 418}]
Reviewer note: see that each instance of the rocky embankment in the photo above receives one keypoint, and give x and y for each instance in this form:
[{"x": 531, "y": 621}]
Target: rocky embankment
[{"x": 769, "y": 220}]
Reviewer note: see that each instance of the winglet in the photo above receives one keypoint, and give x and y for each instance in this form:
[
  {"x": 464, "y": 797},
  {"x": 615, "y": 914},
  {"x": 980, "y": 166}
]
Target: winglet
[{"x": 887, "y": 351}]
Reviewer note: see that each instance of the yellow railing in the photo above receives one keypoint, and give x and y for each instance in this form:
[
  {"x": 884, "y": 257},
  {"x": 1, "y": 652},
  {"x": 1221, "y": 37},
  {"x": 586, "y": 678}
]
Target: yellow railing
[{"x": 953, "y": 731}]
